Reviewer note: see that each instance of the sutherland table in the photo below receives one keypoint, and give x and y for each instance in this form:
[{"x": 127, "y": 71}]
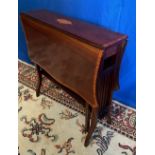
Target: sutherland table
[{"x": 82, "y": 57}]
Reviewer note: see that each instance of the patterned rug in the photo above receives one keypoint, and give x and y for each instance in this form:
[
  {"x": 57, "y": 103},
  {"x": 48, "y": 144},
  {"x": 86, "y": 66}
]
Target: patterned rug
[{"x": 53, "y": 123}]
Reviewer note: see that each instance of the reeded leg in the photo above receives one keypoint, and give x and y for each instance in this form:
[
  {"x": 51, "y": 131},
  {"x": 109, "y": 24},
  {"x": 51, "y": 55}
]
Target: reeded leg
[
  {"x": 39, "y": 80},
  {"x": 87, "y": 118},
  {"x": 92, "y": 127}
]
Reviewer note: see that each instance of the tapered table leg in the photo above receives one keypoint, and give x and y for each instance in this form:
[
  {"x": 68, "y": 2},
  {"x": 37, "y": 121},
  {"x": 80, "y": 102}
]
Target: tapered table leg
[
  {"x": 87, "y": 118},
  {"x": 92, "y": 127},
  {"x": 39, "y": 80}
]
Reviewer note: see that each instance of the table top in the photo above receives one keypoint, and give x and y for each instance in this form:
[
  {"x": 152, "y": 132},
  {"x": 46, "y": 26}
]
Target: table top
[{"x": 92, "y": 34}]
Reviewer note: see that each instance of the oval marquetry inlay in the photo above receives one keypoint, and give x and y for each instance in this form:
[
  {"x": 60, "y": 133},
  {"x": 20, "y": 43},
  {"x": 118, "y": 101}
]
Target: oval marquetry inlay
[{"x": 64, "y": 21}]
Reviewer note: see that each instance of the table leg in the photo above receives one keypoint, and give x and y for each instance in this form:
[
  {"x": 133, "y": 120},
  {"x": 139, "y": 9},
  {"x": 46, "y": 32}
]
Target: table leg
[
  {"x": 87, "y": 118},
  {"x": 39, "y": 80},
  {"x": 109, "y": 120},
  {"x": 92, "y": 127},
  {"x": 108, "y": 116}
]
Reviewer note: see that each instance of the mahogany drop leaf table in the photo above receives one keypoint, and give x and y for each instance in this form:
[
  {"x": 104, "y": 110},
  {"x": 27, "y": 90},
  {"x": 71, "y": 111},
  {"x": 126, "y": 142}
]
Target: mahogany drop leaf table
[{"x": 82, "y": 57}]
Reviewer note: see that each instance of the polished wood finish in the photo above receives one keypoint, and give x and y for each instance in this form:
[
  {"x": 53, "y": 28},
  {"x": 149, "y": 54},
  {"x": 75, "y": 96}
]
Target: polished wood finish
[
  {"x": 82, "y": 57},
  {"x": 94, "y": 35}
]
